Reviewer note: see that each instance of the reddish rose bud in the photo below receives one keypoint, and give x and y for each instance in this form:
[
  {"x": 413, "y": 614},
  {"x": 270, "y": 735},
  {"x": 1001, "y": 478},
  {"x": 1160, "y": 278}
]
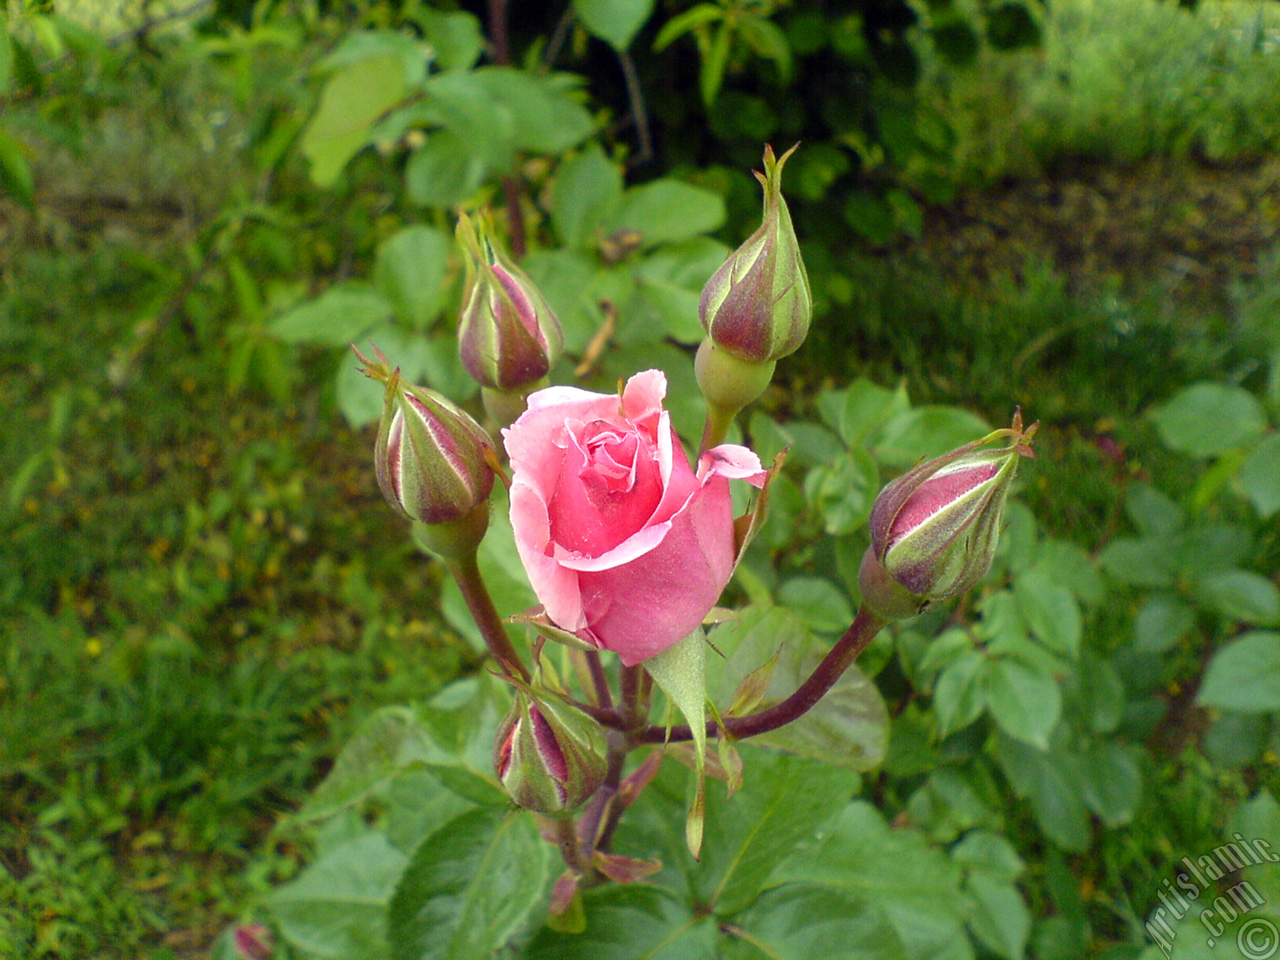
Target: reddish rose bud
[
  {"x": 934, "y": 529},
  {"x": 757, "y": 306},
  {"x": 434, "y": 463},
  {"x": 253, "y": 942},
  {"x": 549, "y": 755},
  {"x": 508, "y": 337}
]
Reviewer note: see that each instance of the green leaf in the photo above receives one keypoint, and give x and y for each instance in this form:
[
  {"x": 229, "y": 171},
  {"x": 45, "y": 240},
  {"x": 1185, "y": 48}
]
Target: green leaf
[
  {"x": 1145, "y": 562},
  {"x": 1162, "y": 621},
  {"x": 444, "y": 172},
  {"x": 671, "y": 281},
  {"x": 6, "y": 59},
  {"x": 1154, "y": 513},
  {"x": 1101, "y": 694},
  {"x": 386, "y": 743},
  {"x": 849, "y": 727},
  {"x": 668, "y": 211},
  {"x": 455, "y": 37},
  {"x": 866, "y": 408},
  {"x": 545, "y": 117},
  {"x": 1010, "y": 26},
  {"x": 614, "y": 21},
  {"x": 871, "y": 216},
  {"x": 461, "y": 720},
  {"x": 960, "y": 695},
  {"x": 982, "y": 851},
  {"x": 360, "y": 399},
  {"x": 842, "y": 491},
  {"x": 1112, "y": 782},
  {"x": 952, "y": 801},
  {"x": 352, "y": 99},
  {"x": 767, "y": 40},
  {"x": 415, "y": 805},
  {"x": 1050, "y": 612},
  {"x": 469, "y": 887},
  {"x": 586, "y": 192},
  {"x": 363, "y": 45},
  {"x": 1000, "y": 919},
  {"x": 956, "y": 40},
  {"x": 1236, "y": 740},
  {"x": 896, "y": 870},
  {"x": 336, "y": 910},
  {"x": 715, "y": 58},
  {"x": 1052, "y": 784},
  {"x": 1025, "y": 702},
  {"x": 784, "y": 801},
  {"x": 341, "y": 315},
  {"x": 1208, "y": 419},
  {"x": 927, "y": 431},
  {"x": 1069, "y": 565},
  {"x": 818, "y": 603},
  {"x": 680, "y": 671},
  {"x": 1244, "y": 675},
  {"x": 1259, "y": 818},
  {"x": 1260, "y": 476},
  {"x": 682, "y": 23},
  {"x": 410, "y": 271},
  {"x": 1240, "y": 595},
  {"x": 631, "y": 923},
  {"x": 812, "y": 922},
  {"x": 15, "y": 173},
  {"x": 565, "y": 278}
]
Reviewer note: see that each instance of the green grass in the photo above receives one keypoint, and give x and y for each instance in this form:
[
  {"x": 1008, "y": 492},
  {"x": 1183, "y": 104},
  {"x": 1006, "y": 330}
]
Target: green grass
[
  {"x": 200, "y": 594},
  {"x": 1120, "y": 80},
  {"x": 201, "y": 591}
]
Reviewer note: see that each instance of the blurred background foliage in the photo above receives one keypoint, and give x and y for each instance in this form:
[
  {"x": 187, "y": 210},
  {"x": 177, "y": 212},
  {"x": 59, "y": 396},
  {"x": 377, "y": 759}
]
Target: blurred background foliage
[{"x": 1074, "y": 207}]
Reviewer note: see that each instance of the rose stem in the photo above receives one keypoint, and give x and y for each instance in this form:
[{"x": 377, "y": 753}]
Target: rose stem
[
  {"x": 860, "y": 633},
  {"x": 632, "y": 711},
  {"x": 466, "y": 571},
  {"x": 570, "y": 846},
  {"x": 715, "y": 427},
  {"x": 604, "y": 697},
  {"x": 589, "y": 826}
]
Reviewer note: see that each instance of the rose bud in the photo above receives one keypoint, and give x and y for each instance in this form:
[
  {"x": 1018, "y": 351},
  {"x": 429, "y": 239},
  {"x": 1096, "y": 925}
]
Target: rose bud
[
  {"x": 757, "y": 306},
  {"x": 626, "y": 545},
  {"x": 253, "y": 942},
  {"x": 434, "y": 463},
  {"x": 508, "y": 337},
  {"x": 549, "y": 755},
  {"x": 934, "y": 529}
]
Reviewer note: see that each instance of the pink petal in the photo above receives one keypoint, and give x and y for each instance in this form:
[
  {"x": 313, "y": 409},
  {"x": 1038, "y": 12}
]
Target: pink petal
[
  {"x": 556, "y": 587},
  {"x": 732, "y": 461},
  {"x": 645, "y": 606}
]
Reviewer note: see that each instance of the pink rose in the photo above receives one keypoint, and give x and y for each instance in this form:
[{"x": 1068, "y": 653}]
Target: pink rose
[{"x": 625, "y": 545}]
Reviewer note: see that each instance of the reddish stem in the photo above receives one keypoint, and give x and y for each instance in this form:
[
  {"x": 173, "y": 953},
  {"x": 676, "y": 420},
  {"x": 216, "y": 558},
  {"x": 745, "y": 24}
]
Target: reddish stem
[{"x": 860, "y": 633}]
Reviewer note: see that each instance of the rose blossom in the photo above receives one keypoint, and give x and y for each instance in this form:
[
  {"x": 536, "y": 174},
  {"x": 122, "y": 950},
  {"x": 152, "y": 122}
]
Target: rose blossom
[{"x": 625, "y": 545}]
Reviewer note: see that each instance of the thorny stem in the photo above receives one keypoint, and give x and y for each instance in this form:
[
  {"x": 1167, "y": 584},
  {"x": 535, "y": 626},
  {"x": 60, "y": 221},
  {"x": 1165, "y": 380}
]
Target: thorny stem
[
  {"x": 570, "y": 846},
  {"x": 589, "y": 826},
  {"x": 860, "y": 633},
  {"x": 466, "y": 572},
  {"x": 632, "y": 712},
  {"x": 604, "y": 698}
]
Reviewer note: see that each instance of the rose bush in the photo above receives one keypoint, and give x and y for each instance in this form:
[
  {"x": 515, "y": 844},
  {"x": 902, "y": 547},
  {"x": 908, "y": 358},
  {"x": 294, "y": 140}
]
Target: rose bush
[{"x": 625, "y": 544}]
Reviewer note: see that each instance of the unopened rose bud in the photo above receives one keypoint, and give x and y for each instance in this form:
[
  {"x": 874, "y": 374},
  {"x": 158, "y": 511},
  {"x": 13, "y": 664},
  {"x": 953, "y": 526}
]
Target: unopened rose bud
[
  {"x": 253, "y": 942},
  {"x": 508, "y": 337},
  {"x": 934, "y": 529},
  {"x": 757, "y": 306},
  {"x": 434, "y": 463},
  {"x": 549, "y": 755}
]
